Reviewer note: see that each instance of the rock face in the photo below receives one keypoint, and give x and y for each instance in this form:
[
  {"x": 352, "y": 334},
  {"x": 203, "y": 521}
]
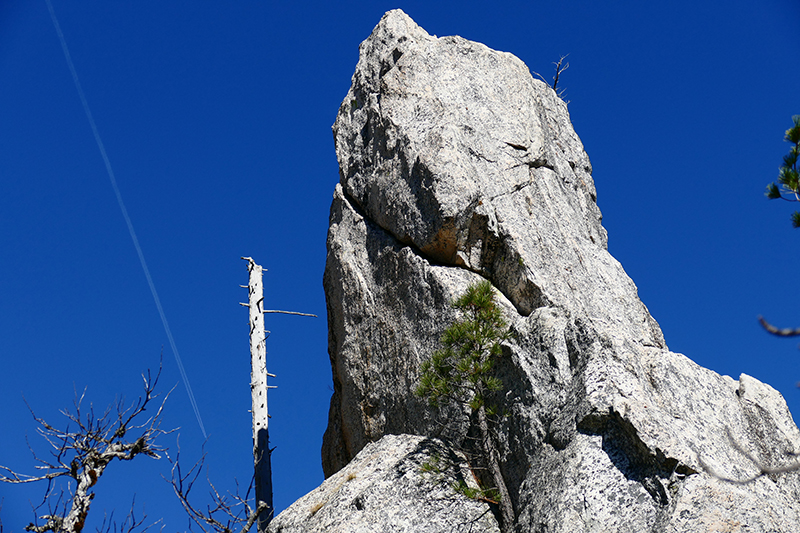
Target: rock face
[
  {"x": 387, "y": 488},
  {"x": 456, "y": 165}
]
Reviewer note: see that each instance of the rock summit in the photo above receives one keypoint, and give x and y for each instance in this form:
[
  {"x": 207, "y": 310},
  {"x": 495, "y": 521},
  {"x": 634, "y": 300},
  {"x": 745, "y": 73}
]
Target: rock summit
[{"x": 457, "y": 165}]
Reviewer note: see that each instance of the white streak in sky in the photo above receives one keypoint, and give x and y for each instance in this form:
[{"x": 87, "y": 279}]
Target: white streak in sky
[{"x": 125, "y": 215}]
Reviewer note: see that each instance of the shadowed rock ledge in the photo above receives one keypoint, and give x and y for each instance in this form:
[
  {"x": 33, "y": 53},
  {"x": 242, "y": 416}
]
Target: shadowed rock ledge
[{"x": 457, "y": 165}]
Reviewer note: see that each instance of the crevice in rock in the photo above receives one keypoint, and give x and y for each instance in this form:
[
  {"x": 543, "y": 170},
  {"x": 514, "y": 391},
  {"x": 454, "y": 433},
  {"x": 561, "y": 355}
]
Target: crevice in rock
[
  {"x": 358, "y": 502},
  {"x": 478, "y": 155},
  {"x": 353, "y": 202},
  {"x": 366, "y": 136},
  {"x": 515, "y": 189},
  {"x": 579, "y": 338},
  {"x": 440, "y": 462},
  {"x": 517, "y": 146},
  {"x": 388, "y": 64},
  {"x": 632, "y": 457},
  {"x": 536, "y": 296},
  {"x": 538, "y": 162}
]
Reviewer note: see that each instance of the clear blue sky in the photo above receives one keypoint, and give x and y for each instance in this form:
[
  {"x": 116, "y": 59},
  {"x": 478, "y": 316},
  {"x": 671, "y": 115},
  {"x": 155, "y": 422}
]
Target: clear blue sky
[{"x": 216, "y": 118}]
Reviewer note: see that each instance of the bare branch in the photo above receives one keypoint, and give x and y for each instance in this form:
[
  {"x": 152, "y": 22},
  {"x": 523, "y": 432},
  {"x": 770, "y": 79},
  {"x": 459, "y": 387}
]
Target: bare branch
[
  {"x": 786, "y": 332},
  {"x": 560, "y": 67},
  {"x": 226, "y": 513},
  {"x": 54, "y": 523},
  {"x": 262, "y": 506},
  {"x": 288, "y": 312},
  {"x": 129, "y": 524}
]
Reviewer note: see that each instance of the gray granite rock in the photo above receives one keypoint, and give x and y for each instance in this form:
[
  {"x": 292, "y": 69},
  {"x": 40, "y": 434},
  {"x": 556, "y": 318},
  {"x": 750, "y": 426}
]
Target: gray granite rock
[
  {"x": 457, "y": 165},
  {"x": 385, "y": 488}
]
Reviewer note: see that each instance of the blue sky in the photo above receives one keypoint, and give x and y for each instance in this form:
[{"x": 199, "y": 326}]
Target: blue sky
[{"x": 216, "y": 118}]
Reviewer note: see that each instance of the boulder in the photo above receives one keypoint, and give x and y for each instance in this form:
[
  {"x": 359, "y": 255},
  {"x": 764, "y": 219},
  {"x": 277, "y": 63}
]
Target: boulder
[
  {"x": 456, "y": 165},
  {"x": 399, "y": 484}
]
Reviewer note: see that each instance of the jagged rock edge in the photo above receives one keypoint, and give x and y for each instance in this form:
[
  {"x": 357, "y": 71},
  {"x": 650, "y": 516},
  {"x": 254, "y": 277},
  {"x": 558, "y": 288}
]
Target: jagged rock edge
[{"x": 646, "y": 466}]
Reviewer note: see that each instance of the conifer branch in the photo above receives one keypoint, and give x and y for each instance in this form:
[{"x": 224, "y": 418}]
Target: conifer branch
[
  {"x": 461, "y": 373},
  {"x": 789, "y": 174}
]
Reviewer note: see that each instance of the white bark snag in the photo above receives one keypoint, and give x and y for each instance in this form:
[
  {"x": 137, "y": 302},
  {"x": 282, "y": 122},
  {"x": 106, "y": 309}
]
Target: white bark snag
[{"x": 258, "y": 390}]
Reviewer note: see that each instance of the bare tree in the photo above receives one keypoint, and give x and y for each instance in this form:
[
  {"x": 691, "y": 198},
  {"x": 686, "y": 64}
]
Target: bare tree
[
  {"x": 262, "y": 454},
  {"x": 80, "y": 454},
  {"x": 231, "y": 511}
]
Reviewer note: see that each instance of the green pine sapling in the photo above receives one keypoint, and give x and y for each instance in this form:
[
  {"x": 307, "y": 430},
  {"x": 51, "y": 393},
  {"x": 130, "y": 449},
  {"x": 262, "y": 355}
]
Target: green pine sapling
[
  {"x": 462, "y": 372},
  {"x": 789, "y": 176}
]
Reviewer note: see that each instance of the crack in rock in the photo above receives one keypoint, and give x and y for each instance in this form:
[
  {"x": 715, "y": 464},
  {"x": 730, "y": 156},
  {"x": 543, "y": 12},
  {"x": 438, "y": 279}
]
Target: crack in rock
[{"x": 632, "y": 456}]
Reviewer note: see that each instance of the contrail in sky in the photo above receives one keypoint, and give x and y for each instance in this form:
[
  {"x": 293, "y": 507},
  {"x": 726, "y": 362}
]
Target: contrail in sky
[{"x": 125, "y": 215}]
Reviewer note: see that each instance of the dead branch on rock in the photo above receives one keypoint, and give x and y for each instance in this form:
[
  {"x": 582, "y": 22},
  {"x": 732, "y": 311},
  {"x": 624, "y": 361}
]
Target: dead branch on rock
[
  {"x": 560, "y": 67},
  {"x": 227, "y": 513},
  {"x": 81, "y": 452},
  {"x": 763, "y": 470}
]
